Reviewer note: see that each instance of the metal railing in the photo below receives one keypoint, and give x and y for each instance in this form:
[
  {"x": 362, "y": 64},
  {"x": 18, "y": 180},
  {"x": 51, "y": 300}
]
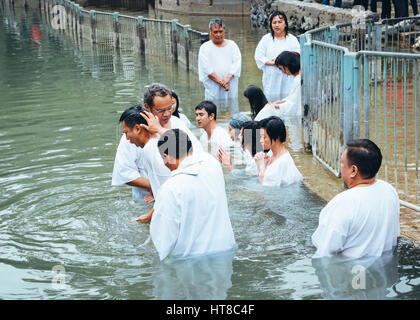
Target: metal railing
[
  {"x": 355, "y": 85},
  {"x": 138, "y": 34}
]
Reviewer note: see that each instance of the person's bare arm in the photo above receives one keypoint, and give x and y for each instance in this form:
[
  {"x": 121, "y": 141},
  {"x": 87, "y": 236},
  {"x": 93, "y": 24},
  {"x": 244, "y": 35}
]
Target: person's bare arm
[
  {"x": 145, "y": 218},
  {"x": 141, "y": 182}
]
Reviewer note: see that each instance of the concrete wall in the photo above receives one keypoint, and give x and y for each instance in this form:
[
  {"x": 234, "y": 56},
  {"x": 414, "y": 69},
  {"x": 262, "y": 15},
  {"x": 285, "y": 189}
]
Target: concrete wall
[
  {"x": 302, "y": 16},
  {"x": 206, "y": 7}
]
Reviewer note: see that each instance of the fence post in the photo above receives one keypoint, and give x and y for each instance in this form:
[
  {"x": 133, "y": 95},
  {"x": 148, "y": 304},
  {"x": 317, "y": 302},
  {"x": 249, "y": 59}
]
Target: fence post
[
  {"x": 79, "y": 13},
  {"x": 174, "y": 40},
  {"x": 93, "y": 25},
  {"x": 117, "y": 30},
  {"x": 366, "y": 94},
  {"x": 305, "y": 46},
  {"x": 80, "y": 16},
  {"x": 73, "y": 19},
  {"x": 349, "y": 102},
  {"x": 357, "y": 99},
  {"x": 141, "y": 33},
  {"x": 187, "y": 45},
  {"x": 335, "y": 35}
]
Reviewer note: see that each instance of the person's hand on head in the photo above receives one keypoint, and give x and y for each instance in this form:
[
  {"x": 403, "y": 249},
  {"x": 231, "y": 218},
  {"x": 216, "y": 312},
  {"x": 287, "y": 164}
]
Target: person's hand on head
[{"x": 153, "y": 125}]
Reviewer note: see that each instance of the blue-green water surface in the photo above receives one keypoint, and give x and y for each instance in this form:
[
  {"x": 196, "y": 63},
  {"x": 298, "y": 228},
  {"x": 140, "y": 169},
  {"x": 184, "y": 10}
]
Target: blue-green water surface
[{"x": 59, "y": 110}]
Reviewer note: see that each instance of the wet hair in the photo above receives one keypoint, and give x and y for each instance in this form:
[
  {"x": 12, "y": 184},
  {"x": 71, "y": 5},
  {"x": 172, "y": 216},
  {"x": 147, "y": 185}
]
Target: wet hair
[
  {"x": 289, "y": 59},
  {"x": 283, "y": 15},
  {"x": 251, "y": 136},
  {"x": 155, "y": 90},
  {"x": 275, "y": 128},
  {"x": 131, "y": 116},
  {"x": 257, "y": 99},
  {"x": 218, "y": 22},
  {"x": 365, "y": 155},
  {"x": 174, "y": 143},
  {"x": 209, "y": 106},
  {"x": 176, "y": 112}
]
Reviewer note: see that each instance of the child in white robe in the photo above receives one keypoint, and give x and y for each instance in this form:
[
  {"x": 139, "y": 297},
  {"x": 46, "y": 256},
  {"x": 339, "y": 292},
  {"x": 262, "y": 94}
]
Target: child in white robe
[{"x": 278, "y": 169}]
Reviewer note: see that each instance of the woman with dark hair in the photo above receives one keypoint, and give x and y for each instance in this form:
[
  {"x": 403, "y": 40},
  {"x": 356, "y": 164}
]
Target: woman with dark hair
[
  {"x": 278, "y": 169},
  {"x": 179, "y": 115},
  {"x": 291, "y": 106},
  {"x": 257, "y": 100},
  {"x": 276, "y": 84},
  {"x": 249, "y": 141}
]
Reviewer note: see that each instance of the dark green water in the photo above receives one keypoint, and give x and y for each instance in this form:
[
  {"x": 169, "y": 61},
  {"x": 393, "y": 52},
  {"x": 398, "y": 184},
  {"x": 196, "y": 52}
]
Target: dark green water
[{"x": 59, "y": 111}]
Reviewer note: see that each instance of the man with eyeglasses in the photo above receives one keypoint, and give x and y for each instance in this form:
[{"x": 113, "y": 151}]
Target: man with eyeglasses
[{"x": 130, "y": 166}]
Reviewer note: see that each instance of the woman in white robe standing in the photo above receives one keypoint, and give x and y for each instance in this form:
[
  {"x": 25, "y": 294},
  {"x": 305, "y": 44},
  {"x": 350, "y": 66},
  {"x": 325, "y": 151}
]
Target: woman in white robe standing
[{"x": 276, "y": 84}]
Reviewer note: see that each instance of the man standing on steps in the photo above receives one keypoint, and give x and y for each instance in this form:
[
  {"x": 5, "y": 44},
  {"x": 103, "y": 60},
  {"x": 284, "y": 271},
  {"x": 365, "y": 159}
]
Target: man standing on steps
[{"x": 219, "y": 67}]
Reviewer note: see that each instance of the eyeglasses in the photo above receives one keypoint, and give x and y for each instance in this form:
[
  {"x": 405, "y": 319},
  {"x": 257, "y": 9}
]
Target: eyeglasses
[{"x": 160, "y": 111}]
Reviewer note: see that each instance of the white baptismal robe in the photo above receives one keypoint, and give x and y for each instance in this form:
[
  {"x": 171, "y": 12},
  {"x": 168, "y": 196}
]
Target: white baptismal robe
[
  {"x": 282, "y": 172},
  {"x": 152, "y": 161},
  {"x": 191, "y": 213},
  {"x": 186, "y": 121},
  {"x": 221, "y": 61},
  {"x": 292, "y": 107},
  {"x": 220, "y": 138},
  {"x": 129, "y": 163},
  {"x": 128, "y": 167},
  {"x": 177, "y": 123},
  {"x": 277, "y": 84},
  {"x": 361, "y": 221},
  {"x": 156, "y": 171}
]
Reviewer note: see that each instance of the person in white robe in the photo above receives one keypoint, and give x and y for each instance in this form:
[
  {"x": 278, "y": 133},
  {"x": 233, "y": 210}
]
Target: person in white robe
[
  {"x": 213, "y": 137},
  {"x": 277, "y": 85},
  {"x": 191, "y": 215},
  {"x": 291, "y": 106},
  {"x": 177, "y": 112},
  {"x": 142, "y": 126},
  {"x": 128, "y": 165},
  {"x": 219, "y": 68},
  {"x": 246, "y": 145},
  {"x": 128, "y": 168},
  {"x": 279, "y": 169},
  {"x": 363, "y": 220}
]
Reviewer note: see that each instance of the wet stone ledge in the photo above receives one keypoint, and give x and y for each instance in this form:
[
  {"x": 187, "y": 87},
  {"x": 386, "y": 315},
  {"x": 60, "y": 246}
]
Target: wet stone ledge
[{"x": 302, "y": 15}]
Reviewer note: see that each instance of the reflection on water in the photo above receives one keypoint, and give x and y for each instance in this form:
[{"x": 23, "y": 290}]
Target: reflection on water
[
  {"x": 59, "y": 131},
  {"x": 199, "y": 278},
  {"x": 369, "y": 278}
]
